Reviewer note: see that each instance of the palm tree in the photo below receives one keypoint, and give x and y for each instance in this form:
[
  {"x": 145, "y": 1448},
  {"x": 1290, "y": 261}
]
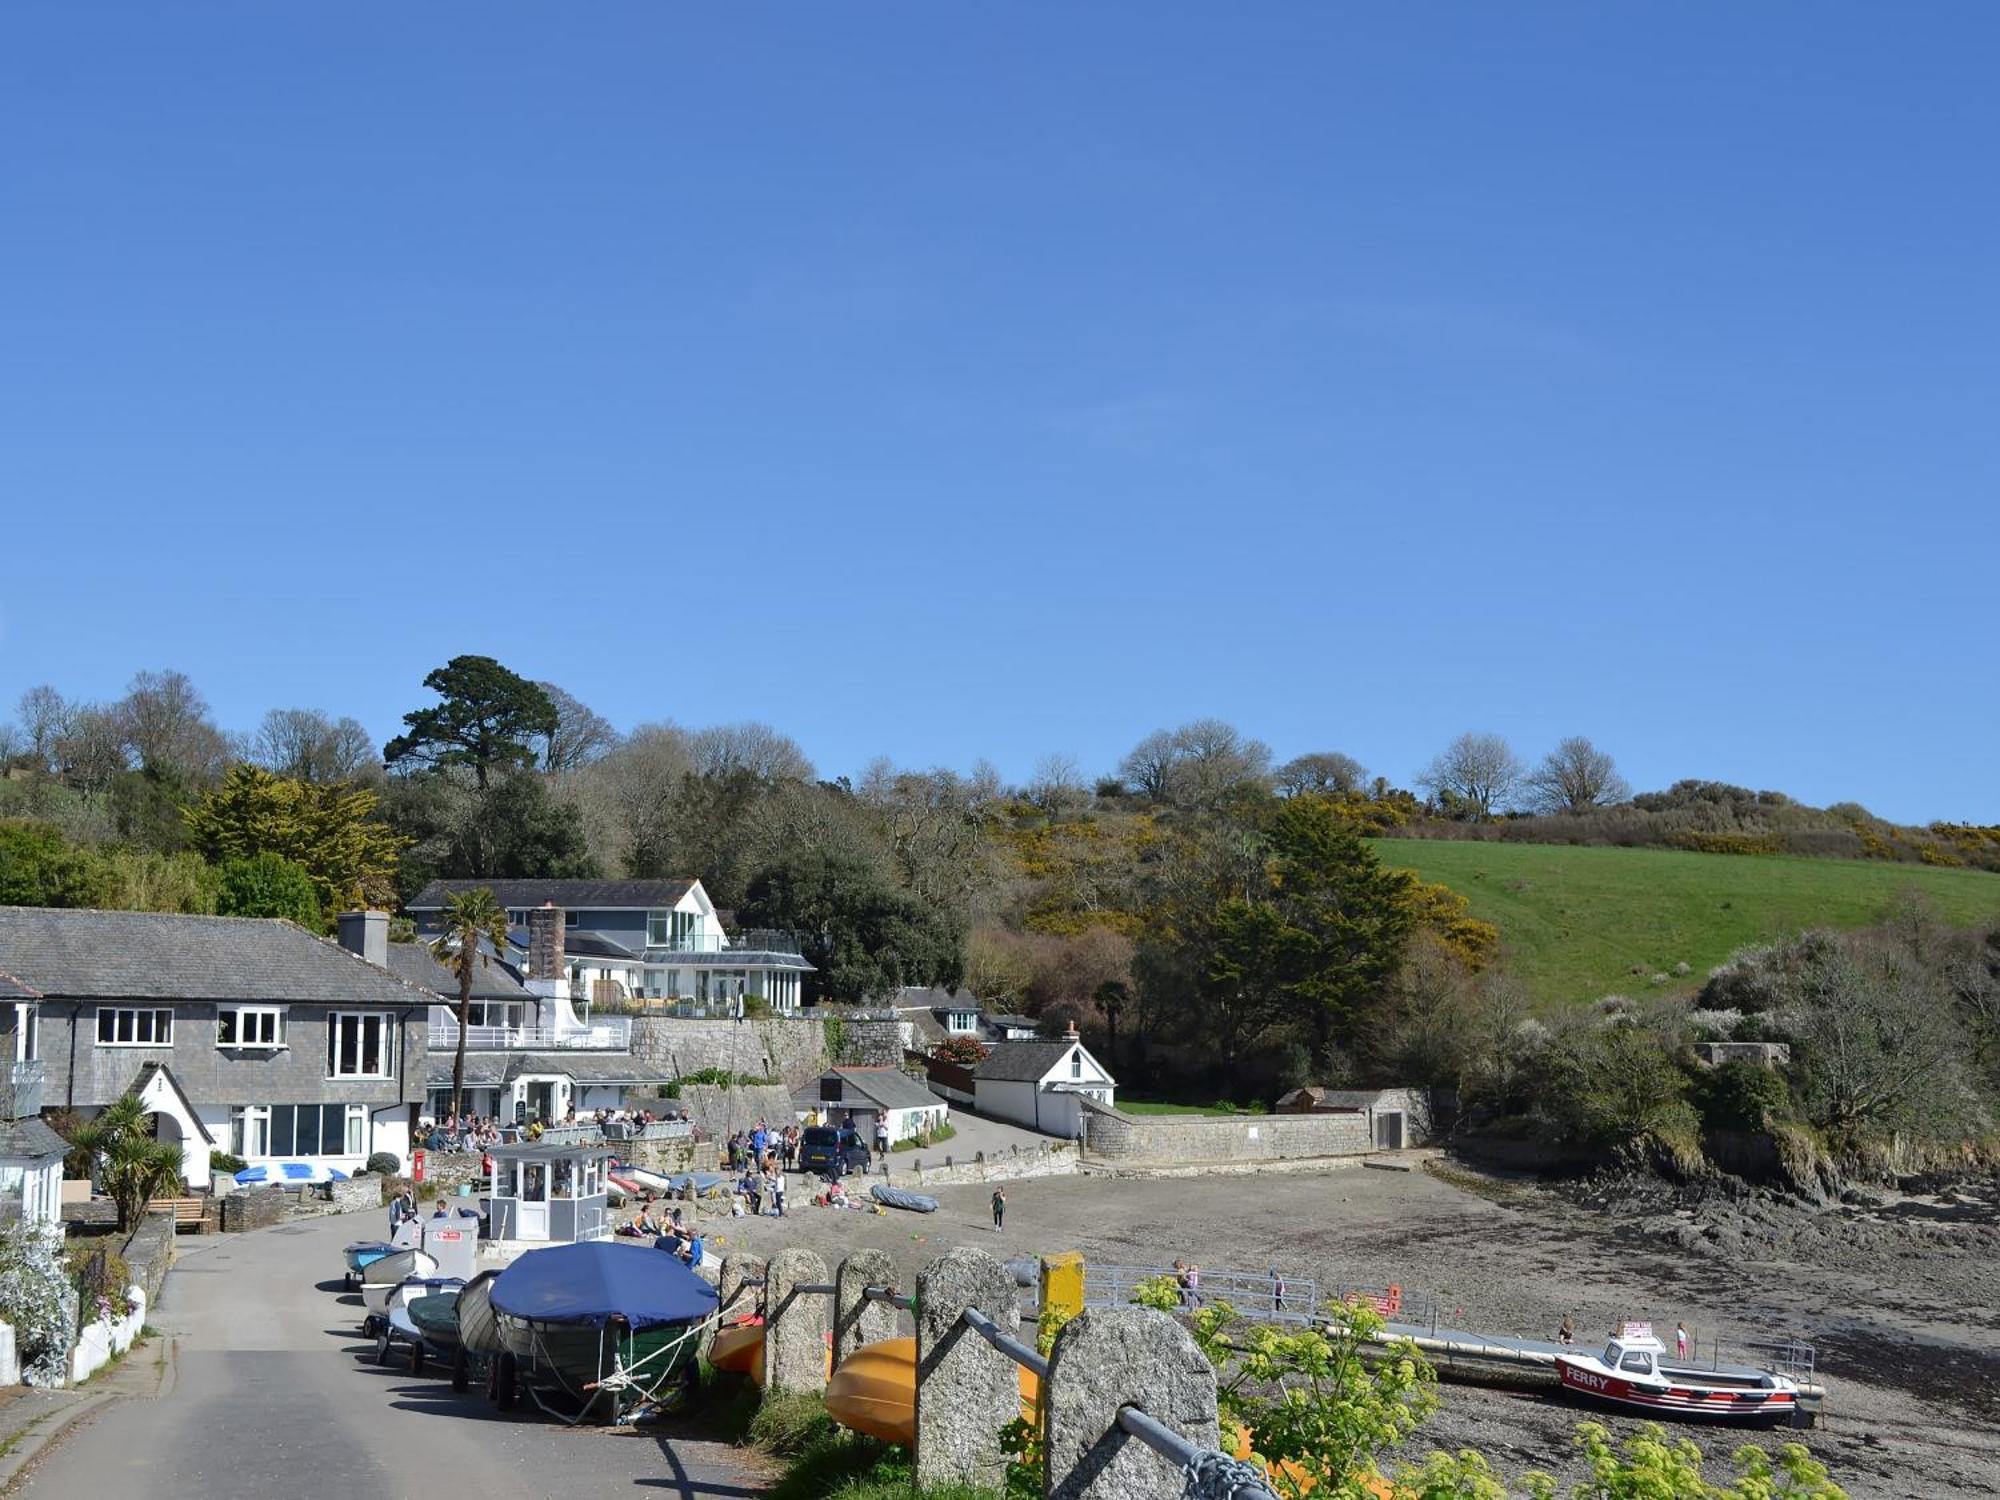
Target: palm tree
[
  {"x": 132, "y": 1167},
  {"x": 468, "y": 917}
]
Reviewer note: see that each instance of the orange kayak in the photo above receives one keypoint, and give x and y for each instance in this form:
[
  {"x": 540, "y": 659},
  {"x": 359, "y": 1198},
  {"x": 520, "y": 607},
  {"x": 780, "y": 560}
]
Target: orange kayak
[
  {"x": 875, "y": 1391},
  {"x": 740, "y": 1349}
]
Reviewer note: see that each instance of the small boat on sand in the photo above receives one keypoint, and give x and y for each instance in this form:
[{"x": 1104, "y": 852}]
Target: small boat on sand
[
  {"x": 895, "y": 1197},
  {"x": 1633, "y": 1374},
  {"x": 598, "y": 1326}
]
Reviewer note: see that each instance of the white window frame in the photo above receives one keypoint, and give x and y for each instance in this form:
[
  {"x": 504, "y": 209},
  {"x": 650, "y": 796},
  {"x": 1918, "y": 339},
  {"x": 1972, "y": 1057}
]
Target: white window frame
[
  {"x": 356, "y": 1130},
  {"x": 135, "y": 1011},
  {"x": 387, "y": 1041},
  {"x": 269, "y": 1018},
  {"x": 241, "y": 1118},
  {"x": 659, "y": 920},
  {"x": 27, "y": 1031}
]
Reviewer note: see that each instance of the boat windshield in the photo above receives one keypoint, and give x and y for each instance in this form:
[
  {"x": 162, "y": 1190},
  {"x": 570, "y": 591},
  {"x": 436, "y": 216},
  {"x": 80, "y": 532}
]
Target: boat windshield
[
  {"x": 1637, "y": 1362},
  {"x": 1611, "y": 1356}
]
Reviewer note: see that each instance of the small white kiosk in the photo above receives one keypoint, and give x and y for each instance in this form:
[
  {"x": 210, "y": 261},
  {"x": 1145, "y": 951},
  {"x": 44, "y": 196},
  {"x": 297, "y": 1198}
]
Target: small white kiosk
[{"x": 546, "y": 1194}]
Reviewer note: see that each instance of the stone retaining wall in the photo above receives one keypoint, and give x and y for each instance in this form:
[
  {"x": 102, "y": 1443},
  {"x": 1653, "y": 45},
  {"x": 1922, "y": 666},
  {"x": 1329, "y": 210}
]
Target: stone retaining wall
[
  {"x": 721, "y": 1112},
  {"x": 792, "y": 1051},
  {"x": 926, "y": 1170},
  {"x": 1192, "y": 1138}
]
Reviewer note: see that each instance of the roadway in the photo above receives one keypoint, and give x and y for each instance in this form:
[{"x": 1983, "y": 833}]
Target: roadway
[{"x": 267, "y": 1389}]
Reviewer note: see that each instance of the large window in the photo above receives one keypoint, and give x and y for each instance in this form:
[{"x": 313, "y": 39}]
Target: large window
[
  {"x": 360, "y": 1044},
  {"x": 250, "y": 1026},
  {"x": 299, "y": 1130},
  {"x": 135, "y": 1028}
]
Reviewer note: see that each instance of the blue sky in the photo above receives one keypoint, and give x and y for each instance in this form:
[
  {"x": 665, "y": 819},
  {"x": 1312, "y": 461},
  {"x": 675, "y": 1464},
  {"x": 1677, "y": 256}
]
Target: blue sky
[{"x": 959, "y": 381}]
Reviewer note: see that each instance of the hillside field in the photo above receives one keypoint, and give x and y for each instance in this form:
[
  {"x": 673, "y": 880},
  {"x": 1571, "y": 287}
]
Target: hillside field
[{"x": 1575, "y": 921}]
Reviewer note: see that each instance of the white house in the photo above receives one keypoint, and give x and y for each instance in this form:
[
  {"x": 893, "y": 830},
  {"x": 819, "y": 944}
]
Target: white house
[{"x": 1038, "y": 1084}]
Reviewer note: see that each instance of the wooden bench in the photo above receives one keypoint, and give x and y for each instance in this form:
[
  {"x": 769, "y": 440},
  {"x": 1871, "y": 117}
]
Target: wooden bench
[{"x": 188, "y": 1213}]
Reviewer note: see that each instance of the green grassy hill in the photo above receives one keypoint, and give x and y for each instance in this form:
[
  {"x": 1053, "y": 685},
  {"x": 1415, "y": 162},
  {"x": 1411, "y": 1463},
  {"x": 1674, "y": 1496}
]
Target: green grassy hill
[{"x": 1577, "y": 920}]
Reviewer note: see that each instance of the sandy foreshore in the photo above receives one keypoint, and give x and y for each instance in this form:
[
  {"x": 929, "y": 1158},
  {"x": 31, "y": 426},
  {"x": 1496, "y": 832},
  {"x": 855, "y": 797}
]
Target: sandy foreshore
[{"x": 1901, "y": 1296}]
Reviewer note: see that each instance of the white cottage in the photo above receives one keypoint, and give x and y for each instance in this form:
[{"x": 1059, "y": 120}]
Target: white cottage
[
  {"x": 31, "y": 1154},
  {"x": 1038, "y": 1084}
]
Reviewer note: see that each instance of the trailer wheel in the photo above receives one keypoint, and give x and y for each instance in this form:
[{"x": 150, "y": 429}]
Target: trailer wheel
[
  {"x": 504, "y": 1382},
  {"x": 347, "y": 1282},
  {"x": 461, "y": 1375},
  {"x": 417, "y": 1358}
]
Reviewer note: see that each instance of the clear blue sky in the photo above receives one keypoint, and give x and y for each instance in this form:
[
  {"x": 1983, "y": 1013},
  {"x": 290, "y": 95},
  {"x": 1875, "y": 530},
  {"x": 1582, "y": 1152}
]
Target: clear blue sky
[{"x": 947, "y": 381}]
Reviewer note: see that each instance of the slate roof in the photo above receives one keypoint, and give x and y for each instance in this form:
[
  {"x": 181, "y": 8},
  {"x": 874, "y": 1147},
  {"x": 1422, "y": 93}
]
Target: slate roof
[
  {"x": 166, "y": 956},
  {"x": 937, "y": 997},
  {"x": 571, "y": 895},
  {"x": 926, "y": 1026},
  {"x": 492, "y": 980},
  {"x": 486, "y": 1070},
  {"x": 891, "y": 1088},
  {"x": 1022, "y": 1062},
  {"x": 30, "y": 1139},
  {"x": 590, "y": 945},
  {"x": 1016, "y": 1022},
  {"x": 12, "y": 988}
]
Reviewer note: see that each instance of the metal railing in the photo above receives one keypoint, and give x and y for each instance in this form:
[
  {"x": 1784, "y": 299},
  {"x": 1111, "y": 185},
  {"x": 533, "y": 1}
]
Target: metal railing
[
  {"x": 591, "y": 1134},
  {"x": 748, "y": 940},
  {"x": 20, "y": 1090},
  {"x": 1205, "y": 1472},
  {"x": 1268, "y": 1297},
  {"x": 611, "y": 1035}
]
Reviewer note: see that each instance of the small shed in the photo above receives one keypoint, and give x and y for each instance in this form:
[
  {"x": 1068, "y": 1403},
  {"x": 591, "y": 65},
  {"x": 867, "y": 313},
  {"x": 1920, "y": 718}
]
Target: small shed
[
  {"x": 864, "y": 1095},
  {"x": 549, "y": 1194}
]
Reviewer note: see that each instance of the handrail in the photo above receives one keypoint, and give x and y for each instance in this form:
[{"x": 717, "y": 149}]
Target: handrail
[
  {"x": 889, "y": 1295},
  {"x": 1207, "y": 1471},
  {"x": 1012, "y": 1347}
]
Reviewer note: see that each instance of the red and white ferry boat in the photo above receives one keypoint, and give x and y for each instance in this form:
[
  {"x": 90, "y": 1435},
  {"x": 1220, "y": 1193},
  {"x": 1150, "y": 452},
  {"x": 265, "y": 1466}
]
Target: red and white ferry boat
[{"x": 1633, "y": 1374}]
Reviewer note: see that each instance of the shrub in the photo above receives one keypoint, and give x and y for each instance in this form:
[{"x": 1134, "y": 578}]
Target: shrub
[
  {"x": 1741, "y": 1095},
  {"x": 102, "y": 1279},
  {"x": 36, "y": 1297},
  {"x": 226, "y": 1163},
  {"x": 385, "y": 1162},
  {"x": 268, "y": 885}
]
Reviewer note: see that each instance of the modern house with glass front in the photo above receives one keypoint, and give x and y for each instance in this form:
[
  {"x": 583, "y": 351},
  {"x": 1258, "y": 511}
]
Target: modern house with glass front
[{"x": 650, "y": 940}]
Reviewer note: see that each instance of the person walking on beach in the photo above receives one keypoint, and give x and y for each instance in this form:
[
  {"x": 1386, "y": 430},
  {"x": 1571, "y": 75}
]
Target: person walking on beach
[{"x": 999, "y": 1210}]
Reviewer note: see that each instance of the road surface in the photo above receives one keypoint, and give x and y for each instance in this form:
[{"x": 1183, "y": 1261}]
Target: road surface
[{"x": 270, "y": 1391}]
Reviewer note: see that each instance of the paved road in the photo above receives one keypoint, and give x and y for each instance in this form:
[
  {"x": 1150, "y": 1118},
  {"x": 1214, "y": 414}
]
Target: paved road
[{"x": 269, "y": 1394}]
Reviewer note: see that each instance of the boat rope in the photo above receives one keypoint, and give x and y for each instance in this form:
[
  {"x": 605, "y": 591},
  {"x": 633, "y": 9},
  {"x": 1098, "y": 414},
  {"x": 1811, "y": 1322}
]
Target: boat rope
[{"x": 1216, "y": 1476}]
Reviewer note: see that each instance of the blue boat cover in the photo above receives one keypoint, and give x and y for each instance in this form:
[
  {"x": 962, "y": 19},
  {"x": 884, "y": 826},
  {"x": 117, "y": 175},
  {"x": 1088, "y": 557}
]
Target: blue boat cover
[{"x": 599, "y": 1280}]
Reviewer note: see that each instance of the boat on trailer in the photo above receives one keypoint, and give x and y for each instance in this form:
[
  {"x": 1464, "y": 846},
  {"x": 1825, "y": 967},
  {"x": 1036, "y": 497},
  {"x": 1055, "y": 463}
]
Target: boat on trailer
[
  {"x": 598, "y": 1327},
  {"x": 1634, "y": 1374}
]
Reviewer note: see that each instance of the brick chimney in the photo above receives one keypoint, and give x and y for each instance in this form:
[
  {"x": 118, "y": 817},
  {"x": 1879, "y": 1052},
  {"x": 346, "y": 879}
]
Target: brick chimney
[
  {"x": 546, "y": 959},
  {"x": 366, "y": 933}
]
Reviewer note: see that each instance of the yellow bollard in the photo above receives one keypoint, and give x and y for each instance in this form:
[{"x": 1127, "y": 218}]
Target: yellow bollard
[{"x": 1062, "y": 1284}]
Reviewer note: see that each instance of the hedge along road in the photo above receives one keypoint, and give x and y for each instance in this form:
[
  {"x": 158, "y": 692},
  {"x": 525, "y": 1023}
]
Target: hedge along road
[{"x": 272, "y": 1392}]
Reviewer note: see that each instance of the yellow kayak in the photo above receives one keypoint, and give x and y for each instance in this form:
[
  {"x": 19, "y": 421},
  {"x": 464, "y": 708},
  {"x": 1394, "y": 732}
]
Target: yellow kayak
[
  {"x": 740, "y": 1349},
  {"x": 875, "y": 1391}
]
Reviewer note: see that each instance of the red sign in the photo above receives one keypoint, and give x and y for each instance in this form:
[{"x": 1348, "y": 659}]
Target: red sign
[{"x": 417, "y": 1166}]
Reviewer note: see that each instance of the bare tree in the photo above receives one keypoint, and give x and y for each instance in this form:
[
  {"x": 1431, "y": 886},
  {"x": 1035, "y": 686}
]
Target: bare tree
[
  {"x": 1148, "y": 765},
  {"x": 44, "y": 718},
  {"x": 1575, "y": 777},
  {"x": 1058, "y": 787},
  {"x": 167, "y": 727},
  {"x": 1474, "y": 776},
  {"x": 581, "y": 735},
  {"x": 304, "y": 744},
  {"x": 1195, "y": 765},
  {"x": 1321, "y": 771},
  {"x": 89, "y": 754},
  {"x": 749, "y": 746}
]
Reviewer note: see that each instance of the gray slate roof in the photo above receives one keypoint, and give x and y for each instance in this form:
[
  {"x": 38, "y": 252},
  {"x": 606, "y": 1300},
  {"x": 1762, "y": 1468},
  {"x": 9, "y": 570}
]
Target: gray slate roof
[
  {"x": 590, "y": 945},
  {"x": 1021, "y": 1062},
  {"x": 164, "y": 956},
  {"x": 571, "y": 895},
  {"x": 891, "y": 1088},
  {"x": 492, "y": 980},
  {"x": 12, "y": 988},
  {"x": 485, "y": 1070},
  {"x": 30, "y": 1139}
]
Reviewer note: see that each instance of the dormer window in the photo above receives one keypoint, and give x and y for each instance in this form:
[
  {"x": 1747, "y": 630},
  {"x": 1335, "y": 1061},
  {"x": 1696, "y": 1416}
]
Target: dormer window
[{"x": 250, "y": 1026}]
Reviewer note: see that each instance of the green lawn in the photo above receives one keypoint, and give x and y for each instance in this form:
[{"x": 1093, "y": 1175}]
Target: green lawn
[
  {"x": 1576, "y": 921},
  {"x": 1148, "y": 1107}
]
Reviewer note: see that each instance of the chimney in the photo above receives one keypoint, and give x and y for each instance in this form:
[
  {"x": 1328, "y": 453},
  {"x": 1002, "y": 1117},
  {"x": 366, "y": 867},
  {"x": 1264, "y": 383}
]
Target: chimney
[
  {"x": 1069, "y": 1032},
  {"x": 546, "y": 960},
  {"x": 366, "y": 933}
]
